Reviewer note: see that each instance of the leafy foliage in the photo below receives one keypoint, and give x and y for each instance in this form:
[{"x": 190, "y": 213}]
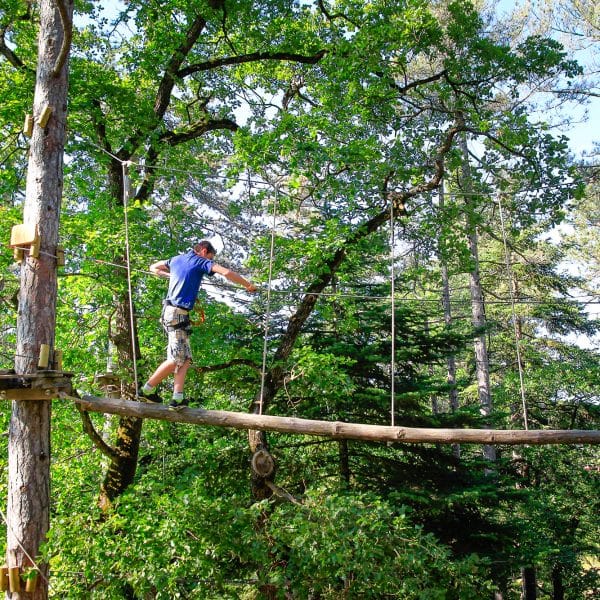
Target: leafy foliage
[{"x": 297, "y": 124}]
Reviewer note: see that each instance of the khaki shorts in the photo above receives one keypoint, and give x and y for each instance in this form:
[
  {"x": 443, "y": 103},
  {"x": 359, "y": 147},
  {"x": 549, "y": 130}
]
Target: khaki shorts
[{"x": 178, "y": 344}]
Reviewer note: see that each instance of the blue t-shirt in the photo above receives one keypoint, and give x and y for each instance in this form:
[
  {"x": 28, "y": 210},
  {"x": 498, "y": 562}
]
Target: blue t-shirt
[{"x": 186, "y": 273}]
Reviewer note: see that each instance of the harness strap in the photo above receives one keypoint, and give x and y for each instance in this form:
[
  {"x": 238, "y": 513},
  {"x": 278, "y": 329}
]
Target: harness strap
[{"x": 185, "y": 322}]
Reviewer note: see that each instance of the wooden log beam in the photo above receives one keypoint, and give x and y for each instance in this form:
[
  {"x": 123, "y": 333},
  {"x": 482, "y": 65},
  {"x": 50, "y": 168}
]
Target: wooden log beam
[{"x": 336, "y": 429}]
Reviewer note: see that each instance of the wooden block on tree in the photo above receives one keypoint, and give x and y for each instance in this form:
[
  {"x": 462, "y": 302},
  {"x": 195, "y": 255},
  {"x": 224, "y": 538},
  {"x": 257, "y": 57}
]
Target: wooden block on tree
[
  {"x": 26, "y": 235},
  {"x": 31, "y": 580},
  {"x": 4, "y": 578},
  {"x": 14, "y": 579},
  {"x": 23, "y": 235},
  {"x": 28, "y": 125}
]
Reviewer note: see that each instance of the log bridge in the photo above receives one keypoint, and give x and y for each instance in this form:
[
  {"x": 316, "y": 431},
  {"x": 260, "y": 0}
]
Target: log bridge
[
  {"x": 48, "y": 385},
  {"x": 336, "y": 429}
]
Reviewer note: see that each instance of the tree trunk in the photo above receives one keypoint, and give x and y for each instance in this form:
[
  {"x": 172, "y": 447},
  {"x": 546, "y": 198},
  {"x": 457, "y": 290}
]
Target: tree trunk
[
  {"x": 558, "y": 590},
  {"x": 477, "y": 302},
  {"x": 123, "y": 463},
  {"x": 528, "y": 583},
  {"x": 344, "y": 462},
  {"x": 450, "y": 361},
  {"x": 29, "y": 434},
  {"x": 480, "y": 345},
  {"x": 121, "y": 470}
]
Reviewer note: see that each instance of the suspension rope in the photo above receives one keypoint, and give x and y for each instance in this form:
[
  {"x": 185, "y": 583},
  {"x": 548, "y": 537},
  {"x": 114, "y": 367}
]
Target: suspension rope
[
  {"x": 124, "y": 165},
  {"x": 268, "y": 311},
  {"x": 337, "y": 294},
  {"x": 511, "y": 286},
  {"x": 393, "y": 324},
  {"x": 300, "y": 292},
  {"x": 167, "y": 169}
]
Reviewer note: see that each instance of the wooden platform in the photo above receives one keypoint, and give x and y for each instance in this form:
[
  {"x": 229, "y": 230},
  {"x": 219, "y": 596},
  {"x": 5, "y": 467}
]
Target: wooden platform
[
  {"x": 336, "y": 429},
  {"x": 43, "y": 385}
]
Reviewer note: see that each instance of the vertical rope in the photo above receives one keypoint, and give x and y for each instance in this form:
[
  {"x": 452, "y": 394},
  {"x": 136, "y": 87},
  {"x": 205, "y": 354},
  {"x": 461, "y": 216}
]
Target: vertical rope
[
  {"x": 131, "y": 319},
  {"x": 393, "y": 325},
  {"x": 514, "y": 316},
  {"x": 268, "y": 311}
]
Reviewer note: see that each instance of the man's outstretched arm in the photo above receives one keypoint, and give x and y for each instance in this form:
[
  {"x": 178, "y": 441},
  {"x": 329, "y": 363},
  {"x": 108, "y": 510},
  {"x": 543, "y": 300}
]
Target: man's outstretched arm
[{"x": 160, "y": 269}]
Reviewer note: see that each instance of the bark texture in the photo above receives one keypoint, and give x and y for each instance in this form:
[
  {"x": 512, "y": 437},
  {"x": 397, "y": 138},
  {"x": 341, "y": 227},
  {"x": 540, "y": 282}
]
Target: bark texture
[
  {"x": 123, "y": 456},
  {"x": 482, "y": 363},
  {"x": 29, "y": 433}
]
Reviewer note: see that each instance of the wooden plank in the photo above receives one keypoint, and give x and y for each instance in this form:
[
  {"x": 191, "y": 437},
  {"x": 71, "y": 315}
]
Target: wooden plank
[
  {"x": 7, "y": 378},
  {"x": 37, "y": 386},
  {"x": 336, "y": 429},
  {"x": 30, "y": 394}
]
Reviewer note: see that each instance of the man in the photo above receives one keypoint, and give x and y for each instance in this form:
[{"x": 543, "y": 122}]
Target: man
[{"x": 185, "y": 273}]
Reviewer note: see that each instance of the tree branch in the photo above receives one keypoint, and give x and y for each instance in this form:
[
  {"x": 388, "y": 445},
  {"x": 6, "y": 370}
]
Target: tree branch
[
  {"x": 197, "y": 129},
  {"x": 252, "y": 57},
  {"x": 494, "y": 139},
  {"x": 12, "y": 58},
  {"x": 67, "y": 24},
  {"x": 222, "y": 366},
  {"x": 97, "y": 440},
  {"x": 163, "y": 96},
  {"x": 173, "y": 138},
  {"x": 417, "y": 82},
  {"x": 282, "y": 493},
  {"x": 331, "y": 17}
]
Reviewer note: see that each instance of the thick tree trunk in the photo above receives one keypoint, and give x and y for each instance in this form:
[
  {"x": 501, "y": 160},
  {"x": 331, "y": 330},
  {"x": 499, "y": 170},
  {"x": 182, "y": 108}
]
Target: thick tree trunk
[
  {"x": 482, "y": 364},
  {"x": 123, "y": 462},
  {"x": 29, "y": 434},
  {"x": 558, "y": 590},
  {"x": 528, "y": 583},
  {"x": 481, "y": 355},
  {"x": 121, "y": 469}
]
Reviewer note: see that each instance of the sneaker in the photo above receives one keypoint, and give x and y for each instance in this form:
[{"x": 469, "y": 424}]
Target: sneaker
[
  {"x": 178, "y": 404},
  {"x": 151, "y": 397}
]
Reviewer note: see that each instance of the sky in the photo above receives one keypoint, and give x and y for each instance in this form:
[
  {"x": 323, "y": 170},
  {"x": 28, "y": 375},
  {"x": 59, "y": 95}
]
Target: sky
[{"x": 584, "y": 131}]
